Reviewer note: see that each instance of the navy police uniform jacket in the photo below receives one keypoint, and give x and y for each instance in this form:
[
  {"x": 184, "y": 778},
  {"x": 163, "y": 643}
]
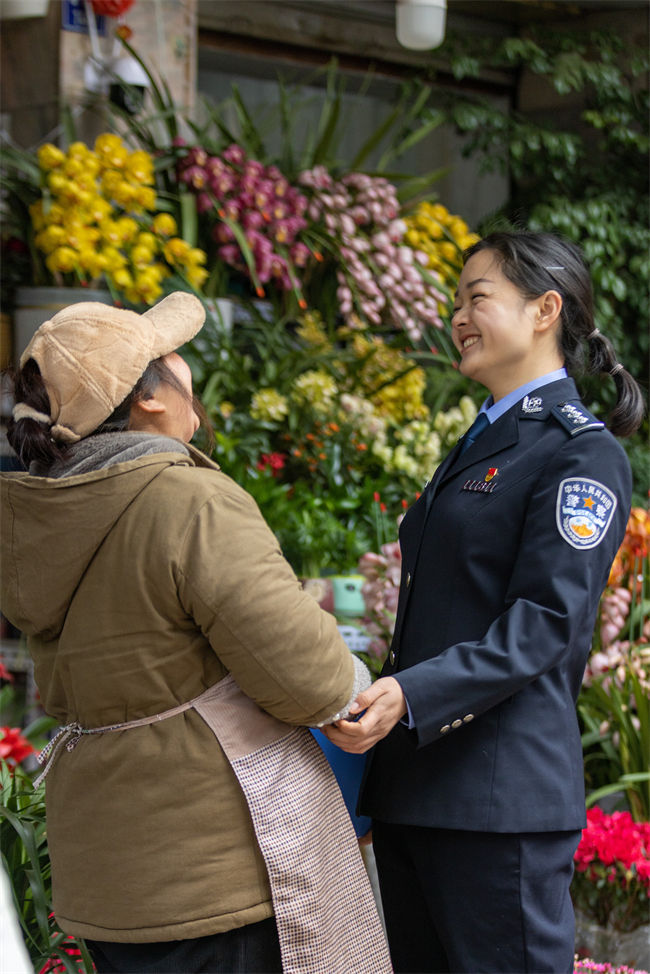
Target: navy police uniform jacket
[{"x": 504, "y": 559}]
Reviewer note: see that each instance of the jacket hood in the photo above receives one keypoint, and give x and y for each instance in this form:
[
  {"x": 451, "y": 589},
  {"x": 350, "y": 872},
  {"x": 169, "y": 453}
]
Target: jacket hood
[{"x": 50, "y": 530}]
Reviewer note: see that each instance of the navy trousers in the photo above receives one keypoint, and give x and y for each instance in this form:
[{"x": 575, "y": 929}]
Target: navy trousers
[
  {"x": 254, "y": 947},
  {"x": 468, "y": 902}
]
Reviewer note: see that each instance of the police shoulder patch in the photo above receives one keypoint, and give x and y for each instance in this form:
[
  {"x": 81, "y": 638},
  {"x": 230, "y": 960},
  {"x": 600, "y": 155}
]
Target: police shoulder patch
[
  {"x": 584, "y": 511},
  {"x": 575, "y": 418}
]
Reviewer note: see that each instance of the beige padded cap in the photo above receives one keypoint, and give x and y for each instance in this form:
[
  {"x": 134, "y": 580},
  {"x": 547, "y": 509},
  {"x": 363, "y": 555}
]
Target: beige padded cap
[{"x": 91, "y": 355}]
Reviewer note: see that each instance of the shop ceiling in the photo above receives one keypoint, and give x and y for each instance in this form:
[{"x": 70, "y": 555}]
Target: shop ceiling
[{"x": 363, "y": 31}]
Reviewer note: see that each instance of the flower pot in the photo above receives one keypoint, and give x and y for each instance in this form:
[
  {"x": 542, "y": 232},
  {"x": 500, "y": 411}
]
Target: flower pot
[
  {"x": 348, "y": 599},
  {"x": 34, "y": 305}
]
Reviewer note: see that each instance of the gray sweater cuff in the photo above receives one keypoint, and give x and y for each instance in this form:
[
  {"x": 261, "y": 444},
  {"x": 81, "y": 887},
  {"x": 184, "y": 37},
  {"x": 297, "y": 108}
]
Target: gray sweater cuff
[{"x": 362, "y": 680}]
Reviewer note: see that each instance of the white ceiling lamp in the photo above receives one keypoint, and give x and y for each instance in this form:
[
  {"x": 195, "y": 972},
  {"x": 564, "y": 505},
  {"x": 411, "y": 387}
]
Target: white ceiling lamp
[
  {"x": 420, "y": 24},
  {"x": 21, "y": 9}
]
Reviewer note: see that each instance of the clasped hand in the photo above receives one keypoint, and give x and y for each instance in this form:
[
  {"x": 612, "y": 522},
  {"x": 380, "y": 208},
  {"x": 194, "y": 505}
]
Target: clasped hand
[{"x": 381, "y": 706}]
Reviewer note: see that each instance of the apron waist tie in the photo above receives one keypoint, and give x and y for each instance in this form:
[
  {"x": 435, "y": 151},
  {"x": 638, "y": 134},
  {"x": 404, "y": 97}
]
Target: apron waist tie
[{"x": 70, "y": 735}]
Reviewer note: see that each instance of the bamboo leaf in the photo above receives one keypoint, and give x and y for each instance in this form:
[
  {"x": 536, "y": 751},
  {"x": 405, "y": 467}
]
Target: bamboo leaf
[
  {"x": 635, "y": 776},
  {"x": 595, "y": 796},
  {"x": 189, "y": 218},
  {"x": 330, "y": 117},
  {"x": 411, "y": 140},
  {"x": 376, "y": 138},
  {"x": 249, "y": 131},
  {"x": 416, "y": 188}
]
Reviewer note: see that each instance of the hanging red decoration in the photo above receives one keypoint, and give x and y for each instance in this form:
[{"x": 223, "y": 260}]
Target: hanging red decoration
[{"x": 111, "y": 8}]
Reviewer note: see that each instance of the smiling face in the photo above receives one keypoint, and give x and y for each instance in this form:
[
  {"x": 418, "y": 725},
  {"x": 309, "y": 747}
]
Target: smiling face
[{"x": 504, "y": 339}]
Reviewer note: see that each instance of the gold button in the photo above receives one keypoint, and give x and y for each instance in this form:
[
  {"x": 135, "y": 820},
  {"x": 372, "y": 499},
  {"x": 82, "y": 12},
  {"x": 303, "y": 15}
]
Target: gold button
[
  {"x": 467, "y": 718},
  {"x": 456, "y": 723},
  {"x": 445, "y": 729},
  {"x": 391, "y": 656},
  {"x": 408, "y": 578}
]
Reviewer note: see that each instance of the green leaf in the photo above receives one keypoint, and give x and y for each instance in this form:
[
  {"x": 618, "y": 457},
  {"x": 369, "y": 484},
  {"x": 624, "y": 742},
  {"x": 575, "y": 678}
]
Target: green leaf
[{"x": 249, "y": 130}]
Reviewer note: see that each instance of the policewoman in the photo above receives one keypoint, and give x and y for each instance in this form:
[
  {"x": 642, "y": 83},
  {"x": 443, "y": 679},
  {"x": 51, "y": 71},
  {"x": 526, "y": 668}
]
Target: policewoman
[{"x": 475, "y": 782}]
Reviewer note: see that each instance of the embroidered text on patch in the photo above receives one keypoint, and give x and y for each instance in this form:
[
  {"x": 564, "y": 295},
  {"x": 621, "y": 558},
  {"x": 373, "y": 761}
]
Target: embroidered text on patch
[{"x": 584, "y": 511}]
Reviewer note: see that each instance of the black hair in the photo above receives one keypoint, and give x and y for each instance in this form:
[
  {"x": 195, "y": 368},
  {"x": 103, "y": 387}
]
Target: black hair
[
  {"x": 31, "y": 439},
  {"x": 540, "y": 262}
]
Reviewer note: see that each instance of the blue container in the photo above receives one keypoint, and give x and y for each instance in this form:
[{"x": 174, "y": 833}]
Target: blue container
[{"x": 348, "y": 771}]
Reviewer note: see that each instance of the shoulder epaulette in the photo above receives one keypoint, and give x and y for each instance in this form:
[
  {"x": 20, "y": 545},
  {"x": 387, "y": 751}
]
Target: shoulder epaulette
[{"x": 575, "y": 418}]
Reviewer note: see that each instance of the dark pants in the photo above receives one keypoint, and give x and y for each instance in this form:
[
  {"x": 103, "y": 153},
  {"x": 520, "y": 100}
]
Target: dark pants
[
  {"x": 476, "y": 901},
  {"x": 253, "y": 948}
]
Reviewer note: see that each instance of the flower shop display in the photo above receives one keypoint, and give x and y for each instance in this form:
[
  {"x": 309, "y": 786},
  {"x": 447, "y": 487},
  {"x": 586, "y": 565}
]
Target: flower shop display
[
  {"x": 90, "y": 217},
  {"x": 97, "y": 219},
  {"x": 254, "y": 217},
  {"x": 14, "y": 746},
  {"x": 614, "y": 703},
  {"x": 611, "y": 889},
  {"x": 381, "y": 278},
  {"x": 313, "y": 424},
  {"x": 23, "y": 840},
  {"x": 612, "y": 863},
  {"x": 586, "y": 965},
  {"x": 382, "y": 571},
  {"x": 442, "y": 236}
]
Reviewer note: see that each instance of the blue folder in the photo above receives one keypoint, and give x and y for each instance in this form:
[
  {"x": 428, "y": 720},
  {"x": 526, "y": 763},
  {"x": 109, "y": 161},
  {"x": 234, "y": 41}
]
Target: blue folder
[{"x": 348, "y": 771}]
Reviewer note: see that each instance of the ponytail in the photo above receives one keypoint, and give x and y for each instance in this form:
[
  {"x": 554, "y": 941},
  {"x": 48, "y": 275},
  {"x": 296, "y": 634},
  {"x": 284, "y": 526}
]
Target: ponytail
[
  {"x": 28, "y": 429},
  {"x": 627, "y": 415}
]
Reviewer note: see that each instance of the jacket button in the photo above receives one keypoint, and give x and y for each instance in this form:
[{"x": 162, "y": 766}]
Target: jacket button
[
  {"x": 467, "y": 718},
  {"x": 391, "y": 657},
  {"x": 408, "y": 578},
  {"x": 456, "y": 724},
  {"x": 445, "y": 729}
]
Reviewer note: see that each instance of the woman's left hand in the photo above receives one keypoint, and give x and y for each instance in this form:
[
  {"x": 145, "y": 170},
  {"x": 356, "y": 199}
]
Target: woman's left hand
[{"x": 381, "y": 706}]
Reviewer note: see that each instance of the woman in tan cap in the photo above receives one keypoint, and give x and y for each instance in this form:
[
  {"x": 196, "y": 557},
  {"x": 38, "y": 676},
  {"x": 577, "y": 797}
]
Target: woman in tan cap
[{"x": 176, "y": 648}]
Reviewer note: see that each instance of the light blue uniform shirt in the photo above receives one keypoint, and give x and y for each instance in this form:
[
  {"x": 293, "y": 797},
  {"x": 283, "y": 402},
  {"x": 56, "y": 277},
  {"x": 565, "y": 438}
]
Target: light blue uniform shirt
[{"x": 493, "y": 410}]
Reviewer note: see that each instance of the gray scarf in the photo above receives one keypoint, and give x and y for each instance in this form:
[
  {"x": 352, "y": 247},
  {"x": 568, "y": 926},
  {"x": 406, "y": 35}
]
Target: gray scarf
[{"x": 106, "y": 449}]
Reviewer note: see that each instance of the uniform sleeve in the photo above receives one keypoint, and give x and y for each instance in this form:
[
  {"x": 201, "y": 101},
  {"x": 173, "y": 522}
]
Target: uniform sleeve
[
  {"x": 282, "y": 649},
  {"x": 557, "y": 579}
]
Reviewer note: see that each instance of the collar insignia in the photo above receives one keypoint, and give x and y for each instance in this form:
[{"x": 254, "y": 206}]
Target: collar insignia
[{"x": 532, "y": 404}]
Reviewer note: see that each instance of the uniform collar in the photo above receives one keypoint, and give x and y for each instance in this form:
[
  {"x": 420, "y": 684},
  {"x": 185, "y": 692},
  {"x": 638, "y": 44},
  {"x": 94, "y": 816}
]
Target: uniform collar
[{"x": 527, "y": 394}]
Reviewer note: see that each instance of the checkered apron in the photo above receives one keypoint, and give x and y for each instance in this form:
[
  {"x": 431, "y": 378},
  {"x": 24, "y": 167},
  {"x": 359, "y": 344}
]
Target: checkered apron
[{"x": 324, "y": 906}]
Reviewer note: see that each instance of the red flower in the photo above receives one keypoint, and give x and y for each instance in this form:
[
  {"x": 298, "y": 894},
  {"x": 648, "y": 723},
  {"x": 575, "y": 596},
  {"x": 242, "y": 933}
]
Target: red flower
[
  {"x": 273, "y": 461},
  {"x": 14, "y": 748},
  {"x": 5, "y": 674},
  {"x": 614, "y": 841},
  {"x": 111, "y": 8}
]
